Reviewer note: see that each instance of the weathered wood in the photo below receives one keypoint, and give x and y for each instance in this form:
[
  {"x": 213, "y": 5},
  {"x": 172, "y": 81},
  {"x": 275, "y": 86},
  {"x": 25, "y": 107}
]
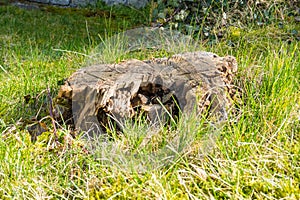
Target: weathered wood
[{"x": 200, "y": 81}]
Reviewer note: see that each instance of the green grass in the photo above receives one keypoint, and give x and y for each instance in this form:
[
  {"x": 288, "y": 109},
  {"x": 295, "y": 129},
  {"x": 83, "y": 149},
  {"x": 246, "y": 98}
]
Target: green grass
[{"x": 254, "y": 157}]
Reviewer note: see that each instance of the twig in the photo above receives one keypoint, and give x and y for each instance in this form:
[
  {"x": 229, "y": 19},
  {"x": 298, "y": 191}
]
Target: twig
[
  {"x": 51, "y": 114},
  {"x": 68, "y": 51}
]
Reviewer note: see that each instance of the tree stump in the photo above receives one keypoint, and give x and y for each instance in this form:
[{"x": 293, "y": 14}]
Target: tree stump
[{"x": 97, "y": 95}]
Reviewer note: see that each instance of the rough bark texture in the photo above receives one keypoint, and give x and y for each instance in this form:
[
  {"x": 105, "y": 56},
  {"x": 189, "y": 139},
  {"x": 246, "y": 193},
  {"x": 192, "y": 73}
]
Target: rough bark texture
[{"x": 157, "y": 89}]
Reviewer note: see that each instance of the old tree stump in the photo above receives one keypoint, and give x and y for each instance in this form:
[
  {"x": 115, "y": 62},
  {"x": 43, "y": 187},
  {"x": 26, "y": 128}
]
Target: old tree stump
[{"x": 95, "y": 96}]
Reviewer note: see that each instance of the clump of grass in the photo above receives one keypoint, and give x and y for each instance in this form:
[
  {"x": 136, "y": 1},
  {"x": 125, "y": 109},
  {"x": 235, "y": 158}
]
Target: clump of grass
[
  {"x": 141, "y": 43},
  {"x": 256, "y": 156}
]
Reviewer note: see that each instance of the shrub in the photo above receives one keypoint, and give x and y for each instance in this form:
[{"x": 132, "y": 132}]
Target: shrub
[{"x": 210, "y": 19}]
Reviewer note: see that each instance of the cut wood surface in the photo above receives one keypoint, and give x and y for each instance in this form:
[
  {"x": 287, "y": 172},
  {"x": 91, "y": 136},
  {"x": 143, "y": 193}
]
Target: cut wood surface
[{"x": 156, "y": 89}]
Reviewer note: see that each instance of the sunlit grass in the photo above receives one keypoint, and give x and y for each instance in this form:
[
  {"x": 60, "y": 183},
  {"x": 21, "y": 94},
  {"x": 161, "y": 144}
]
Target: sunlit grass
[{"x": 256, "y": 156}]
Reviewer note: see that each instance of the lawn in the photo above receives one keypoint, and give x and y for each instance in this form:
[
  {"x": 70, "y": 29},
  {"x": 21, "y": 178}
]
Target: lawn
[{"x": 255, "y": 155}]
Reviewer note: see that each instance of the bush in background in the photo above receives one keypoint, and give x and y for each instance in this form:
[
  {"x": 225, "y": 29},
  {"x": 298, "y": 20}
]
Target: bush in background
[{"x": 210, "y": 19}]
